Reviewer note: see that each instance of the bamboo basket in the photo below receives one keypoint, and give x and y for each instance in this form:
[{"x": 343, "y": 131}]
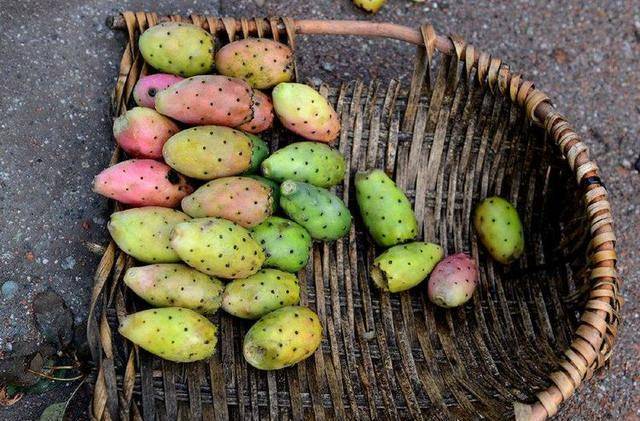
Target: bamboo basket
[{"x": 464, "y": 128}]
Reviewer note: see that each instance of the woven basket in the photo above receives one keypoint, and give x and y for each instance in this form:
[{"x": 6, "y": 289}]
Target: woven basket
[{"x": 465, "y": 128}]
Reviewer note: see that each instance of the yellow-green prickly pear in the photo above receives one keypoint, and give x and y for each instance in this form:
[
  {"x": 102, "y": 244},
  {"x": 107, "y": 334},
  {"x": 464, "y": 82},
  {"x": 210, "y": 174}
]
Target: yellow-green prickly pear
[
  {"x": 499, "y": 229},
  {"x": 404, "y": 266},
  {"x": 371, "y": 6}
]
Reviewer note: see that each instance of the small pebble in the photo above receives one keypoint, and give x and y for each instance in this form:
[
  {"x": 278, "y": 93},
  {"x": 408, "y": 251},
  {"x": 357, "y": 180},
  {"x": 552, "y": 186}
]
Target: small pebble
[
  {"x": 68, "y": 263},
  {"x": 9, "y": 289},
  {"x": 637, "y": 164},
  {"x": 328, "y": 67}
]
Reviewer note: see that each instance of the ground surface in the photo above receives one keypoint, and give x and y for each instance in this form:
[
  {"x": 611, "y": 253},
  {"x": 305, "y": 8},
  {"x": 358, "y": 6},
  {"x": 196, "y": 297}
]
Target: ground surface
[{"x": 60, "y": 63}]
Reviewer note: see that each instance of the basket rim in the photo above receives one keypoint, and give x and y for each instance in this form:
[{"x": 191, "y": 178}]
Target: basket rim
[{"x": 595, "y": 334}]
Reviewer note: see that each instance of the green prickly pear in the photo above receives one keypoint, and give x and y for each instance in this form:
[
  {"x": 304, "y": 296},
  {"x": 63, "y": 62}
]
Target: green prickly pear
[
  {"x": 309, "y": 162},
  {"x": 321, "y": 212},
  {"x": 172, "y": 284},
  {"x": 243, "y": 200},
  {"x": 282, "y": 338},
  {"x": 500, "y": 229},
  {"x": 286, "y": 244},
  {"x": 217, "y": 247},
  {"x": 385, "y": 209},
  {"x": 262, "y": 114},
  {"x": 304, "y": 111},
  {"x": 208, "y": 99},
  {"x": 259, "y": 152},
  {"x": 262, "y": 62},
  {"x": 371, "y": 6},
  {"x": 178, "y": 48},
  {"x": 259, "y": 294},
  {"x": 144, "y": 232},
  {"x": 404, "y": 266},
  {"x": 453, "y": 281},
  {"x": 173, "y": 333},
  {"x": 208, "y": 152}
]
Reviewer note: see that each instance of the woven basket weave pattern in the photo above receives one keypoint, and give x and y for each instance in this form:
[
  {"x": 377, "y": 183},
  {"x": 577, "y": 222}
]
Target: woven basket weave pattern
[{"x": 463, "y": 131}]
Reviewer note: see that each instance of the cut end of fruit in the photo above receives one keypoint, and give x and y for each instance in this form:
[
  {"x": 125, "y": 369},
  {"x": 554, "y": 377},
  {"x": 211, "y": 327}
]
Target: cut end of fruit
[
  {"x": 288, "y": 187},
  {"x": 380, "y": 278}
]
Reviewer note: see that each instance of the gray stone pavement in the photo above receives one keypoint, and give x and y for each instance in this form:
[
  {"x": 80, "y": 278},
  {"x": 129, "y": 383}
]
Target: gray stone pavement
[{"x": 60, "y": 63}]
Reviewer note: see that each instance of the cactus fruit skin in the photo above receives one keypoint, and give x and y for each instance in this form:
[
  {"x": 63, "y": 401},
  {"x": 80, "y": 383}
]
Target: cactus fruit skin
[
  {"x": 385, "y": 209},
  {"x": 173, "y": 333},
  {"x": 178, "y": 48},
  {"x": 262, "y": 109},
  {"x": 453, "y": 281},
  {"x": 304, "y": 111},
  {"x": 208, "y": 152},
  {"x": 262, "y": 62},
  {"x": 275, "y": 189},
  {"x": 282, "y": 338},
  {"x": 142, "y": 132},
  {"x": 171, "y": 284},
  {"x": 318, "y": 210},
  {"x": 259, "y": 294},
  {"x": 500, "y": 229},
  {"x": 209, "y": 99},
  {"x": 309, "y": 162},
  {"x": 217, "y": 247},
  {"x": 243, "y": 200},
  {"x": 144, "y": 232},
  {"x": 371, "y": 6},
  {"x": 142, "y": 182},
  {"x": 286, "y": 244},
  {"x": 404, "y": 266},
  {"x": 259, "y": 152},
  {"x": 147, "y": 87}
]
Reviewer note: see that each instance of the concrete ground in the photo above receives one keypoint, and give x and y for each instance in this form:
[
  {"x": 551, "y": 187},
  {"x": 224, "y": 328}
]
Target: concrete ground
[{"x": 60, "y": 63}]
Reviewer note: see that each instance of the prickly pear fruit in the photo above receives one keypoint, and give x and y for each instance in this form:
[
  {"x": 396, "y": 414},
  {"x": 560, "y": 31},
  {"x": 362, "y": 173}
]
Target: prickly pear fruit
[
  {"x": 262, "y": 112},
  {"x": 144, "y": 232},
  {"x": 404, "y": 266},
  {"x": 321, "y": 212},
  {"x": 500, "y": 229},
  {"x": 243, "y": 200},
  {"x": 304, "y": 111},
  {"x": 144, "y": 93},
  {"x": 286, "y": 244},
  {"x": 259, "y": 294},
  {"x": 275, "y": 189},
  {"x": 310, "y": 162},
  {"x": 142, "y": 132},
  {"x": 282, "y": 338},
  {"x": 173, "y": 333},
  {"x": 262, "y": 62},
  {"x": 453, "y": 281},
  {"x": 385, "y": 209},
  {"x": 172, "y": 284},
  {"x": 142, "y": 182},
  {"x": 208, "y": 152},
  {"x": 178, "y": 48},
  {"x": 259, "y": 152},
  {"x": 217, "y": 247},
  {"x": 371, "y": 6},
  {"x": 210, "y": 99}
]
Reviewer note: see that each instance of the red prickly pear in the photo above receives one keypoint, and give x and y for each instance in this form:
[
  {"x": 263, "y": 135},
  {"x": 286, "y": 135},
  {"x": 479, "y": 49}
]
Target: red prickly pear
[
  {"x": 262, "y": 109},
  {"x": 178, "y": 48},
  {"x": 142, "y": 182},
  {"x": 173, "y": 333},
  {"x": 208, "y": 152},
  {"x": 453, "y": 281},
  {"x": 263, "y": 63},
  {"x": 142, "y": 132},
  {"x": 147, "y": 87},
  {"x": 210, "y": 99},
  {"x": 371, "y": 6},
  {"x": 404, "y": 266},
  {"x": 242, "y": 200},
  {"x": 304, "y": 111},
  {"x": 500, "y": 229}
]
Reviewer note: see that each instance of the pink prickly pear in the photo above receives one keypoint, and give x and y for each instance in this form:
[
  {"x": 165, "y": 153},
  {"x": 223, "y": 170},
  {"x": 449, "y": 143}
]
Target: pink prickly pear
[
  {"x": 142, "y": 182},
  {"x": 263, "y": 63},
  {"x": 262, "y": 109},
  {"x": 142, "y": 132},
  {"x": 210, "y": 99},
  {"x": 453, "y": 281},
  {"x": 147, "y": 87}
]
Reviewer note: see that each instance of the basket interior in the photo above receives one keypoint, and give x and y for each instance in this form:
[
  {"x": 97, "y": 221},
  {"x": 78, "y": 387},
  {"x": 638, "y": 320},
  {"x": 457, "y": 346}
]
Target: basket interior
[{"x": 398, "y": 354}]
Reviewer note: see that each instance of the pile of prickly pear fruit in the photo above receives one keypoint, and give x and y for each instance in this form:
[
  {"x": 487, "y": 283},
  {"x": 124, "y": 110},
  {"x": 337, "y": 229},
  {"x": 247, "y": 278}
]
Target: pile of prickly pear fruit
[{"x": 218, "y": 221}]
